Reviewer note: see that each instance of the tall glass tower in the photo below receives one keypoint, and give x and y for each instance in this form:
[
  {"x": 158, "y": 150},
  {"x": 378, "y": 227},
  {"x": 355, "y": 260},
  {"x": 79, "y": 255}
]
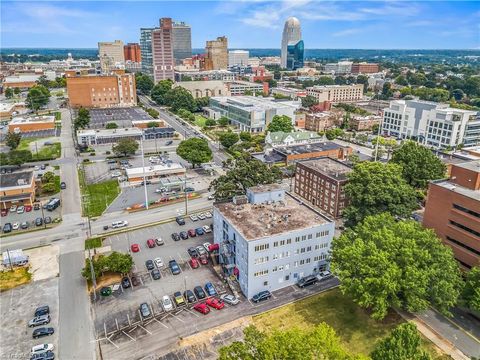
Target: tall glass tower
[
  {"x": 292, "y": 35},
  {"x": 146, "y": 50},
  {"x": 295, "y": 55},
  {"x": 182, "y": 41}
]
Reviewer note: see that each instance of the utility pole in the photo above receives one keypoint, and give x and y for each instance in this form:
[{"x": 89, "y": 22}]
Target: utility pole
[
  {"x": 185, "y": 191},
  {"x": 144, "y": 179},
  {"x": 9, "y": 260},
  {"x": 92, "y": 272}
]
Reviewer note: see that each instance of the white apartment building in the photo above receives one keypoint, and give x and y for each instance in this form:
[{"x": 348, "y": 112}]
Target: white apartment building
[
  {"x": 342, "y": 67},
  {"x": 336, "y": 93},
  {"x": 269, "y": 239},
  {"x": 433, "y": 124},
  {"x": 240, "y": 87},
  {"x": 238, "y": 57}
]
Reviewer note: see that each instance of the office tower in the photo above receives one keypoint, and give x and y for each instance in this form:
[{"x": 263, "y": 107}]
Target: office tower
[
  {"x": 238, "y": 57},
  {"x": 146, "y": 50},
  {"x": 182, "y": 41},
  {"x": 111, "y": 54},
  {"x": 132, "y": 52},
  {"x": 162, "y": 51},
  {"x": 217, "y": 54},
  {"x": 292, "y": 44}
]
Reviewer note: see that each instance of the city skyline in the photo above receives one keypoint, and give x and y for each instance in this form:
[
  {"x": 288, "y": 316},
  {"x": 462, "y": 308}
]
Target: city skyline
[{"x": 343, "y": 25}]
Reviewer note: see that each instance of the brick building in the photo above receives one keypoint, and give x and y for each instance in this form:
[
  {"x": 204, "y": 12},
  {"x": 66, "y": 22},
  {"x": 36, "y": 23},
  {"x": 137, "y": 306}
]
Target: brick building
[
  {"x": 336, "y": 93},
  {"x": 17, "y": 188},
  {"x": 217, "y": 54},
  {"x": 453, "y": 211},
  {"x": 364, "y": 123},
  {"x": 132, "y": 53},
  {"x": 323, "y": 120},
  {"x": 365, "y": 68},
  {"x": 321, "y": 182},
  {"x": 163, "y": 61},
  {"x": 30, "y": 124}
]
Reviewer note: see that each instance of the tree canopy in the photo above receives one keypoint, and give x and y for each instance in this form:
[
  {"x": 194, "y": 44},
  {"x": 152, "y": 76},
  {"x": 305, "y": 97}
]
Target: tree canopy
[
  {"x": 228, "y": 139},
  {"x": 384, "y": 263},
  {"x": 419, "y": 164},
  {"x": 321, "y": 342},
  {"x": 115, "y": 262},
  {"x": 83, "y": 119},
  {"x": 280, "y": 123},
  {"x": 153, "y": 113},
  {"x": 111, "y": 125},
  {"x": 125, "y": 147},
  {"x": 15, "y": 157},
  {"x": 37, "y": 97},
  {"x": 309, "y": 101},
  {"x": 373, "y": 188},
  {"x": 241, "y": 174},
  {"x": 152, "y": 124},
  {"x": 12, "y": 139},
  {"x": 223, "y": 121},
  {"x": 9, "y": 93},
  {"x": 160, "y": 90},
  {"x": 194, "y": 150},
  {"x": 180, "y": 98},
  {"x": 144, "y": 83},
  {"x": 471, "y": 291}
]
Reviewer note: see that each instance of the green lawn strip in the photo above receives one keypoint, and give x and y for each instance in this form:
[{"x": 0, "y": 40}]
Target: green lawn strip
[
  {"x": 99, "y": 195},
  {"x": 92, "y": 243},
  {"x": 48, "y": 152},
  {"x": 11, "y": 279},
  {"x": 200, "y": 120},
  {"x": 25, "y": 143}
]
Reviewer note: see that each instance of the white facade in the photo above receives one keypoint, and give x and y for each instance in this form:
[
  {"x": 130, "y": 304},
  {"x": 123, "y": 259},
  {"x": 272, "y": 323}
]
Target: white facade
[
  {"x": 433, "y": 124},
  {"x": 238, "y": 57},
  {"x": 111, "y": 54},
  {"x": 292, "y": 33},
  {"x": 342, "y": 67},
  {"x": 336, "y": 93}
]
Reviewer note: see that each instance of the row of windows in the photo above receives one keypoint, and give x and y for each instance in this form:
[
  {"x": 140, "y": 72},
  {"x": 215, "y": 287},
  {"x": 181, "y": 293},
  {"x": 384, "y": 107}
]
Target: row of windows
[
  {"x": 260, "y": 273},
  {"x": 261, "y": 260},
  {"x": 262, "y": 247},
  {"x": 296, "y": 264},
  {"x": 266, "y": 246},
  {"x": 475, "y": 251},
  {"x": 465, "y": 228},
  {"x": 468, "y": 211},
  {"x": 282, "y": 242},
  {"x": 281, "y": 255}
]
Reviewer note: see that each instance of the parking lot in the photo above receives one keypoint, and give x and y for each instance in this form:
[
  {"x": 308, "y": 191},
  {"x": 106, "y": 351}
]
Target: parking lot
[{"x": 30, "y": 217}]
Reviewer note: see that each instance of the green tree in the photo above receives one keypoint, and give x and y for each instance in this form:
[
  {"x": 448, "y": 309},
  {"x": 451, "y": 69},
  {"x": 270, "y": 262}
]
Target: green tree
[
  {"x": 153, "y": 113},
  {"x": 48, "y": 177},
  {"x": 471, "y": 291},
  {"x": 83, "y": 119},
  {"x": 111, "y": 125},
  {"x": 373, "y": 188},
  {"x": 245, "y": 136},
  {"x": 280, "y": 123},
  {"x": 384, "y": 263},
  {"x": 17, "y": 91},
  {"x": 16, "y": 157},
  {"x": 12, "y": 139},
  {"x": 228, "y": 139},
  {"x": 152, "y": 124},
  {"x": 363, "y": 79},
  {"x": 309, "y": 101},
  {"x": 125, "y": 147},
  {"x": 144, "y": 83},
  {"x": 400, "y": 80},
  {"x": 458, "y": 94},
  {"x": 419, "y": 164},
  {"x": 49, "y": 187},
  {"x": 210, "y": 123},
  {"x": 9, "y": 93},
  {"x": 325, "y": 80},
  {"x": 160, "y": 90},
  {"x": 242, "y": 173},
  {"x": 277, "y": 75},
  {"x": 334, "y": 133},
  {"x": 202, "y": 102},
  {"x": 223, "y": 121},
  {"x": 42, "y": 80},
  {"x": 195, "y": 151},
  {"x": 387, "y": 91},
  {"x": 37, "y": 97},
  {"x": 120, "y": 263},
  {"x": 403, "y": 343},
  {"x": 180, "y": 98}
]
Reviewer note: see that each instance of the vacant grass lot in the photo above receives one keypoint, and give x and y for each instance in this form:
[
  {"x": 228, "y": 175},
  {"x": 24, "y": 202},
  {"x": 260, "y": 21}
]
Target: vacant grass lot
[
  {"x": 97, "y": 196},
  {"x": 200, "y": 120},
  {"x": 93, "y": 243},
  {"x": 16, "y": 277},
  {"x": 45, "y": 152},
  {"x": 358, "y": 332}
]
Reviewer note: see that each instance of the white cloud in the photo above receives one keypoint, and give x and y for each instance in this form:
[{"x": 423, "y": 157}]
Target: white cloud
[{"x": 347, "y": 32}]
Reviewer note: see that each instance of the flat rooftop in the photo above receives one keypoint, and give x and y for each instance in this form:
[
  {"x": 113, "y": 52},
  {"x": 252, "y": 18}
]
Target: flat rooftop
[
  {"x": 123, "y": 117},
  {"x": 249, "y": 103},
  {"x": 330, "y": 167},
  {"x": 265, "y": 188},
  {"x": 32, "y": 119},
  {"x": 20, "y": 178},
  {"x": 308, "y": 148},
  {"x": 159, "y": 169},
  {"x": 472, "y": 194},
  {"x": 470, "y": 165},
  {"x": 111, "y": 132},
  {"x": 255, "y": 221}
]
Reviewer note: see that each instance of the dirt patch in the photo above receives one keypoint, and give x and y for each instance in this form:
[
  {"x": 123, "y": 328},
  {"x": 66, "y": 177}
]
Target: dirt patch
[
  {"x": 10, "y": 279},
  {"x": 106, "y": 280},
  {"x": 43, "y": 262}
]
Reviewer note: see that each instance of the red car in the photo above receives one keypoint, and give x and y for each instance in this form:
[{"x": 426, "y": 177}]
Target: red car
[
  {"x": 194, "y": 263},
  {"x": 4, "y": 212},
  {"x": 28, "y": 208},
  {"x": 192, "y": 233},
  {"x": 135, "y": 248},
  {"x": 202, "y": 308},
  {"x": 215, "y": 303},
  {"x": 203, "y": 259},
  {"x": 151, "y": 243}
]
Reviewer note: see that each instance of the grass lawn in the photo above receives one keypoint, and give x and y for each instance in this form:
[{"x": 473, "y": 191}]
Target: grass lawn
[
  {"x": 358, "y": 332},
  {"x": 10, "y": 279},
  {"x": 46, "y": 152},
  {"x": 200, "y": 120},
  {"x": 25, "y": 143},
  {"x": 99, "y": 196},
  {"x": 93, "y": 243}
]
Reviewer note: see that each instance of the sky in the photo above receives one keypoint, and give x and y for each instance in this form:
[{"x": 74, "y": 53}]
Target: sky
[{"x": 247, "y": 23}]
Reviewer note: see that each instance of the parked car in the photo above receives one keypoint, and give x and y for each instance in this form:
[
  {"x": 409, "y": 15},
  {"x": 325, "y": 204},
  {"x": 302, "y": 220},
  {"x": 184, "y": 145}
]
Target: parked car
[
  {"x": 179, "y": 300},
  {"x": 158, "y": 262},
  {"x": 210, "y": 289},
  {"x": 324, "y": 275},
  {"x": 40, "y": 349},
  {"x": 175, "y": 237},
  {"x": 39, "y": 320},
  {"x": 150, "y": 265},
  {"x": 307, "y": 281},
  {"x": 135, "y": 281},
  {"x": 145, "y": 310},
  {"x": 202, "y": 308},
  {"x": 24, "y": 225},
  {"x": 156, "y": 274},
  {"x": 199, "y": 293},
  {"x": 169, "y": 142},
  {"x": 216, "y": 303},
  {"x": 119, "y": 224},
  {"x": 188, "y": 295},
  {"x": 262, "y": 295},
  {"x": 174, "y": 267},
  {"x": 151, "y": 243},
  {"x": 126, "y": 282},
  {"x": 42, "y": 310},
  {"x": 28, "y": 208},
  {"x": 211, "y": 197},
  {"x": 106, "y": 291},
  {"x": 199, "y": 231},
  {"x": 193, "y": 217},
  {"x": 206, "y": 246},
  {"x": 13, "y": 208},
  {"x": 63, "y": 186},
  {"x": 193, "y": 263},
  {"x": 16, "y": 225},
  {"x": 180, "y": 220},
  {"x": 47, "y": 355},
  {"x": 203, "y": 259},
  {"x": 201, "y": 216},
  {"x": 213, "y": 247},
  {"x": 135, "y": 248},
  {"x": 36, "y": 206},
  {"x": 7, "y": 227},
  {"x": 159, "y": 241},
  {"x": 41, "y": 332},
  {"x": 21, "y": 209},
  {"x": 201, "y": 250},
  {"x": 184, "y": 235},
  {"x": 38, "y": 221},
  {"x": 192, "y": 252},
  {"x": 208, "y": 214},
  {"x": 167, "y": 303},
  {"x": 4, "y": 212},
  {"x": 189, "y": 189},
  {"x": 43, "y": 167},
  {"x": 206, "y": 229},
  {"x": 230, "y": 299},
  {"x": 192, "y": 233},
  {"x": 47, "y": 220}
]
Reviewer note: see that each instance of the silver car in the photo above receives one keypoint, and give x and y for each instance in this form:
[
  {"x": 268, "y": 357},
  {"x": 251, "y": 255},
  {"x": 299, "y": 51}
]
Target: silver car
[
  {"x": 39, "y": 320},
  {"x": 230, "y": 299}
]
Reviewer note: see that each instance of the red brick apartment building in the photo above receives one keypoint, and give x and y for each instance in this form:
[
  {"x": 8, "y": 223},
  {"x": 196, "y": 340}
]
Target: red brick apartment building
[
  {"x": 453, "y": 212},
  {"x": 131, "y": 52}
]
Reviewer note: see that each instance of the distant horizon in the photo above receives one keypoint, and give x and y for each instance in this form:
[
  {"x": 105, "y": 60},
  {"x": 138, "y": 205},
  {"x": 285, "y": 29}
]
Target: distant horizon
[{"x": 255, "y": 48}]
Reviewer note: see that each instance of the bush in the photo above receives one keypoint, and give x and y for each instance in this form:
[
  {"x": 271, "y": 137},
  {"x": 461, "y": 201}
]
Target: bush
[
  {"x": 86, "y": 160},
  {"x": 92, "y": 153},
  {"x": 108, "y": 152}
]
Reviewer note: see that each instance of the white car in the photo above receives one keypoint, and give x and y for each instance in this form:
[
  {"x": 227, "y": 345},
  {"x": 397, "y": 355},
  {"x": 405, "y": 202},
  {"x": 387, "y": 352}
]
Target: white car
[
  {"x": 154, "y": 159},
  {"x": 42, "y": 348},
  {"x": 21, "y": 209},
  {"x": 324, "y": 275},
  {"x": 207, "y": 214},
  {"x": 211, "y": 197},
  {"x": 158, "y": 262},
  {"x": 193, "y": 217},
  {"x": 15, "y": 226},
  {"x": 201, "y": 216},
  {"x": 167, "y": 303},
  {"x": 206, "y": 246},
  {"x": 230, "y": 299},
  {"x": 13, "y": 208},
  {"x": 206, "y": 228},
  {"x": 119, "y": 224},
  {"x": 116, "y": 174}
]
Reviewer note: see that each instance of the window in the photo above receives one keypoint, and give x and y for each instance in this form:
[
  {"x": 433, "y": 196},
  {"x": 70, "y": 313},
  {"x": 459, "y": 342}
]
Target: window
[
  {"x": 260, "y": 273},
  {"x": 262, "y": 247},
  {"x": 287, "y": 277},
  {"x": 280, "y": 268},
  {"x": 275, "y": 244},
  {"x": 282, "y": 242},
  {"x": 468, "y": 211},
  {"x": 465, "y": 228},
  {"x": 297, "y": 239},
  {"x": 302, "y": 262},
  {"x": 295, "y": 263},
  {"x": 261, "y": 260},
  {"x": 289, "y": 241},
  {"x": 310, "y": 236},
  {"x": 275, "y": 257},
  {"x": 302, "y": 250},
  {"x": 307, "y": 261},
  {"x": 274, "y": 269},
  {"x": 304, "y": 237},
  {"x": 463, "y": 245}
]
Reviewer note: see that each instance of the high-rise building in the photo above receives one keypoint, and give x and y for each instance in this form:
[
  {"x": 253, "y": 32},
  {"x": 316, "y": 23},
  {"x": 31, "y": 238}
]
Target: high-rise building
[
  {"x": 131, "y": 52},
  {"x": 217, "y": 54},
  {"x": 238, "y": 57},
  {"x": 146, "y": 50},
  {"x": 336, "y": 93},
  {"x": 162, "y": 51},
  {"x": 295, "y": 55},
  {"x": 292, "y": 36},
  {"x": 182, "y": 41},
  {"x": 111, "y": 54}
]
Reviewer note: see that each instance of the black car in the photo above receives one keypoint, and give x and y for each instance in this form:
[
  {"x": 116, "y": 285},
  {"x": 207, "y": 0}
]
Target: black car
[
  {"x": 192, "y": 252},
  {"x": 174, "y": 267},
  {"x": 188, "y": 295},
  {"x": 41, "y": 332},
  {"x": 180, "y": 220},
  {"x": 36, "y": 206},
  {"x": 39, "y": 221},
  {"x": 175, "y": 237},
  {"x": 7, "y": 228},
  {"x": 169, "y": 142},
  {"x": 42, "y": 310},
  {"x": 189, "y": 189},
  {"x": 48, "y": 355},
  {"x": 184, "y": 235},
  {"x": 199, "y": 293},
  {"x": 149, "y": 264},
  {"x": 156, "y": 274},
  {"x": 126, "y": 283},
  {"x": 307, "y": 281},
  {"x": 47, "y": 220},
  {"x": 63, "y": 186},
  {"x": 262, "y": 295}
]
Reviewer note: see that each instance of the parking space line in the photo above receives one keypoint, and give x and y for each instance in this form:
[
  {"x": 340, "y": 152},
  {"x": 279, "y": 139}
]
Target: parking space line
[
  {"x": 111, "y": 342},
  {"x": 161, "y": 323},
  {"x": 180, "y": 256},
  {"x": 191, "y": 312},
  {"x": 293, "y": 287},
  {"x": 176, "y": 317},
  {"x": 145, "y": 329}
]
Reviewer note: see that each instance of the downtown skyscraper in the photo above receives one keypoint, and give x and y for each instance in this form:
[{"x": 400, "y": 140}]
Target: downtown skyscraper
[
  {"x": 182, "y": 41},
  {"x": 292, "y": 45}
]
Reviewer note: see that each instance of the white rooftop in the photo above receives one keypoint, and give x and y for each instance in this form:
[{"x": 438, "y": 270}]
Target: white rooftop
[
  {"x": 32, "y": 119},
  {"x": 152, "y": 170}
]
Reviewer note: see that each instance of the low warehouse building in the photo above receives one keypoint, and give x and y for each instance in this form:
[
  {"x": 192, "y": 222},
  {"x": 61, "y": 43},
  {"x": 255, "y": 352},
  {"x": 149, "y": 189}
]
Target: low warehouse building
[
  {"x": 30, "y": 124},
  {"x": 154, "y": 172},
  {"x": 17, "y": 188}
]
